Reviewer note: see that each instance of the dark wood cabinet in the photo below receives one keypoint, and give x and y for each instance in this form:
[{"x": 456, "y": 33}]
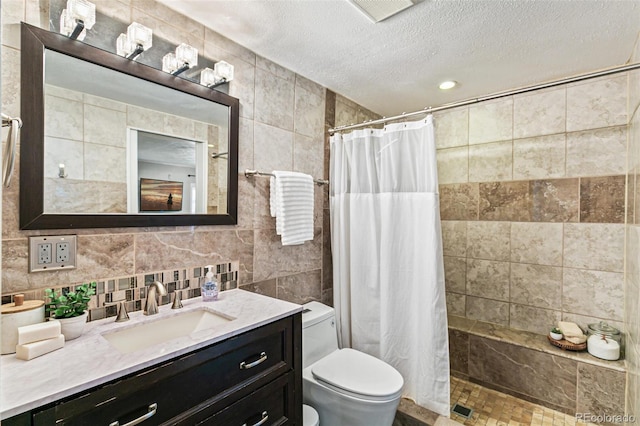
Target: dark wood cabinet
[{"x": 247, "y": 379}]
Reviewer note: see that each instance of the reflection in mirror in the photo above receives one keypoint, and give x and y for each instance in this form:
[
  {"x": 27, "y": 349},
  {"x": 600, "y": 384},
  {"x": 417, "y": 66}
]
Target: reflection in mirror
[
  {"x": 101, "y": 139},
  {"x": 98, "y": 126}
]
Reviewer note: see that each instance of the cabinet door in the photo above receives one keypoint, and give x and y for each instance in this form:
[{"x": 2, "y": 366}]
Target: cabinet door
[
  {"x": 234, "y": 367},
  {"x": 271, "y": 405}
]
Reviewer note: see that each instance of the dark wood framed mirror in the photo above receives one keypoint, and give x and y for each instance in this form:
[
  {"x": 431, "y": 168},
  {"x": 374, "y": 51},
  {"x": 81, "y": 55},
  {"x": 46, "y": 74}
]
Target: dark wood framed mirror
[{"x": 96, "y": 125}]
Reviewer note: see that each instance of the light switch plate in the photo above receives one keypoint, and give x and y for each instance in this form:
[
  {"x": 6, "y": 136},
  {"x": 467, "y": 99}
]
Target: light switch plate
[{"x": 52, "y": 253}]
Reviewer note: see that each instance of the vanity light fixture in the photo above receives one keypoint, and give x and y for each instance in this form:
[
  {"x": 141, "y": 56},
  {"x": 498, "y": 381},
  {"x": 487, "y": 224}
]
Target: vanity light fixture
[
  {"x": 221, "y": 73},
  {"x": 61, "y": 172},
  {"x": 184, "y": 58},
  {"x": 77, "y": 18},
  {"x": 446, "y": 85},
  {"x": 137, "y": 39}
]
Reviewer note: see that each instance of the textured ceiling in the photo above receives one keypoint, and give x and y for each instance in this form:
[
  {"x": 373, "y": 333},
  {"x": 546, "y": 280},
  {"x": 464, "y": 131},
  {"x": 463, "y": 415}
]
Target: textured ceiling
[{"x": 395, "y": 65}]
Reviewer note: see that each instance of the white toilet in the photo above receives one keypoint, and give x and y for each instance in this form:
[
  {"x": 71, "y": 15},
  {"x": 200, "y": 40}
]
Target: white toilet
[{"x": 345, "y": 386}]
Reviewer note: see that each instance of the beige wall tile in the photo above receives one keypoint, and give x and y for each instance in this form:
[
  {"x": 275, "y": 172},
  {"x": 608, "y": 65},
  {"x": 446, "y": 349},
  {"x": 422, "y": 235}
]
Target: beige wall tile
[
  {"x": 456, "y": 304},
  {"x": 63, "y": 151},
  {"x": 301, "y": 288},
  {"x": 453, "y": 165},
  {"x": 179, "y": 126},
  {"x": 593, "y": 293},
  {"x": 600, "y": 390},
  {"x": 94, "y": 100},
  {"x": 536, "y": 285},
  {"x": 537, "y": 243},
  {"x": 144, "y": 119},
  {"x": 487, "y": 278},
  {"x": 192, "y": 34},
  {"x": 275, "y": 69},
  {"x": 488, "y": 240},
  {"x": 540, "y": 113},
  {"x": 216, "y": 39},
  {"x": 455, "y": 274},
  {"x": 12, "y": 15},
  {"x": 555, "y": 200},
  {"x": 272, "y": 259},
  {"x": 491, "y": 121},
  {"x": 346, "y": 111},
  {"x": 50, "y": 90},
  {"x": 10, "y": 68},
  {"x": 602, "y": 199},
  {"x": 105, "y": 126},
  {"x": 63, "y": 118},
  {"x": 452, "y": 128},
  {"x": 272, "y": 148},
  {"x": 594, "y": 246},
  {"x": 510, "y": 201},
  {"x": 459, "y": 201},
  {"x": 597, "y": 103},
  {"x": 487, "y": 310},
  {"x": 539, "y": 158},
  {"x": 491, "y": 162},
  {"x": 245, "y": 142},
  {"x": 105, "y": 163},
  {"x": 600, "y": 152},
  {"x": 274, "y": 104},
  {"x": 308, "y": 113},
  {"x": 120, "y": 10},
  {"x": 454, "y": 238},
  {"x": 535, "y": 320},
  {"x": 308, "y": 154}
]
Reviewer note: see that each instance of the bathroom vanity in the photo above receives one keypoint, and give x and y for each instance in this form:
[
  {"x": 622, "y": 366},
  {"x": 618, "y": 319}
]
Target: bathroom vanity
[{"x": 245, "y": 370}]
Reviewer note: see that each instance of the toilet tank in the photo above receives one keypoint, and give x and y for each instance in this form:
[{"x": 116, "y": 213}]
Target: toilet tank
[{"x": 319, "y": 336}]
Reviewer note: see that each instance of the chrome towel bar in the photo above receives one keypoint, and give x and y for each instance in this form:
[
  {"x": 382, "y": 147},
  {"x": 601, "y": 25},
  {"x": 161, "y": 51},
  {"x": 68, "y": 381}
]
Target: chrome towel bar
[
  {"x": 250, "y": 173},
  {"x": 9, "y": 158}
]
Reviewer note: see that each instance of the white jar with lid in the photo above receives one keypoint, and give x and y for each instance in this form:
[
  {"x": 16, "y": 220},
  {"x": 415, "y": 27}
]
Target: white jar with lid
[{"x": 604, "y": 342}]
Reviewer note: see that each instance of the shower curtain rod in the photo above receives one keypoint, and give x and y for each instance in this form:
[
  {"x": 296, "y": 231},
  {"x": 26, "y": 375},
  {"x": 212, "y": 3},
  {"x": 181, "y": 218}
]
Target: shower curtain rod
[{"x": 429, "y": 110}]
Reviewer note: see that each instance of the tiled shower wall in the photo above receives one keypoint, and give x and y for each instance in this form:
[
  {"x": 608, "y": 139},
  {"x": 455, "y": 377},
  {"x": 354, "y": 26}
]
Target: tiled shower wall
[
  {"x": 632, "y": 265},
  {"x": 532, "y": 192},
  {"x": 281, "y": 127}
]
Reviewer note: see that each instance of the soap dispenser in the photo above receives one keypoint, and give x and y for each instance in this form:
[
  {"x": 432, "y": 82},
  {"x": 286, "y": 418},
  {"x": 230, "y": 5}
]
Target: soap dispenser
[{"x": 210, "y": 288}]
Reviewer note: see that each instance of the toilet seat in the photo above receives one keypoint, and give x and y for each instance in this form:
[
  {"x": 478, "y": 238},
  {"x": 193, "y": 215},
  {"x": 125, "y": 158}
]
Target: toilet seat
[
  {"x": 309, "y": 416},
  {"x": 357, "y": 374}
]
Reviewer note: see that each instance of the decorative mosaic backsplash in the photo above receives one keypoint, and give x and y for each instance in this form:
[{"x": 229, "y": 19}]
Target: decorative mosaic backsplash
[{"x": 133, "y": 289}]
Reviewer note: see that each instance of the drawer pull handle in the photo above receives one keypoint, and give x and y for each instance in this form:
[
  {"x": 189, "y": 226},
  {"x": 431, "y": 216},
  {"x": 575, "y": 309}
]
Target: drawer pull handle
[
  {"x": 245, "y": 366},
  {"x": 152, "y": 411},
  {"x": 265, "y": 417}
]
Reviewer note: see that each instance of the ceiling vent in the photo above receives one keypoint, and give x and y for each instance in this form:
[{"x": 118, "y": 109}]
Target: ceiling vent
[{"x": 379, "y": 10}]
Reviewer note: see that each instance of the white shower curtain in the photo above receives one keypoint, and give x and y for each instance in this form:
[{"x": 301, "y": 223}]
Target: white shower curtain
[{"x": 387, "y": 254}]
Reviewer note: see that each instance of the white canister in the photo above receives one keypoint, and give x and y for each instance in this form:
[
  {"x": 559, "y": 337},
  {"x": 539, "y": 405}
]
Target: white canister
[
  {"x": 604, "y": 341},
  {"x": 18, "y": 314}
]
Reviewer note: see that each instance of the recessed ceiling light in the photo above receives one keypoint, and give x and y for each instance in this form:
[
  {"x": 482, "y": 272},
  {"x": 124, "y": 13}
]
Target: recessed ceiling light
[{"x": 446, "y": 85}]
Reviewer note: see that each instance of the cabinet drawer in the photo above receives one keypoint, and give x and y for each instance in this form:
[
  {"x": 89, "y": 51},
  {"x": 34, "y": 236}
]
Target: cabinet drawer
[
  {"x": 268, "y": 406},
  {"x": 240, "y": 364}
]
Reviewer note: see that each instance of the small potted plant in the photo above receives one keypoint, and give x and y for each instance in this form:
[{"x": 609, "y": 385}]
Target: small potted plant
[
  {"x": 555, "y": 333},
  {"x": 71, "y": 308}
]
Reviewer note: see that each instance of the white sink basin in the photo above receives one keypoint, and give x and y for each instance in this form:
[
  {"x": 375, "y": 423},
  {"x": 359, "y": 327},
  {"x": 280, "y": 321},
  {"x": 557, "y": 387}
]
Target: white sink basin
[{"x": 151, "y": 333}]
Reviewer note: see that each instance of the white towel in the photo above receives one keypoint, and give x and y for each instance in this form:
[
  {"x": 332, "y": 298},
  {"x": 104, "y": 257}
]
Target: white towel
[{"x": 291, "y": 203}]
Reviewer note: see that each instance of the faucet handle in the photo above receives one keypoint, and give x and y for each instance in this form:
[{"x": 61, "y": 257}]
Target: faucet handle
[
  {"x": 177, "y": 300},
  {"x": 122, "y": 310}
]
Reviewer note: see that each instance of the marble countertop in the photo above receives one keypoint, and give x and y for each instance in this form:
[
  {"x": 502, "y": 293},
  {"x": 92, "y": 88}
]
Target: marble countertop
[{"x": 25, "y": 385}]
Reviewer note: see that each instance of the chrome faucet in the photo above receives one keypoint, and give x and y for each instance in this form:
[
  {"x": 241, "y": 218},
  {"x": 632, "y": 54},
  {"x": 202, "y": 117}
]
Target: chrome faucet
[{"x": 151, "y": 305}]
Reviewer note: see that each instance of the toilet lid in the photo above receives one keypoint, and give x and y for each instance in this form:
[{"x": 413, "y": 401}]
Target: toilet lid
[
  {"x": 358, "y": 373},
  {"x": 309, "y": 416}
]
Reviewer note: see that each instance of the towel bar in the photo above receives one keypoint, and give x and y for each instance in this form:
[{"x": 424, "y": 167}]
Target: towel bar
[
  {"x": 10, "y": 150},
  {"x": 250, "y": 173}
]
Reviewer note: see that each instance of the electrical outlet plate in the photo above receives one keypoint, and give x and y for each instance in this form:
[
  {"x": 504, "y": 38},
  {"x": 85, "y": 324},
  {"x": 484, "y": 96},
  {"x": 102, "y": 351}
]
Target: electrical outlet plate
[{"x": 52, "y": 253}]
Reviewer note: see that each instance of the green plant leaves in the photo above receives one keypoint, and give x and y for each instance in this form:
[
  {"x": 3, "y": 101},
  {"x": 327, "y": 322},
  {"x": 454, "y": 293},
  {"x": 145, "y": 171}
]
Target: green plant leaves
[{"x": 71, "y": 304}]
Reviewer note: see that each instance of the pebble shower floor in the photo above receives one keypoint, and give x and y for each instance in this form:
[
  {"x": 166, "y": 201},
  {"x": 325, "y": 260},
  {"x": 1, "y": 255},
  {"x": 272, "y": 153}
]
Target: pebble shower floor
[{"x": 494, "y": 408}]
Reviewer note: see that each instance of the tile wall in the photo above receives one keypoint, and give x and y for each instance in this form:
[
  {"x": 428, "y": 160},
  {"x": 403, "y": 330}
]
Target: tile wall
[
  {"x": 532, "y": 199},
  {"x": 632, "y": 264},
  {"x": 281, "y": 127}
]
